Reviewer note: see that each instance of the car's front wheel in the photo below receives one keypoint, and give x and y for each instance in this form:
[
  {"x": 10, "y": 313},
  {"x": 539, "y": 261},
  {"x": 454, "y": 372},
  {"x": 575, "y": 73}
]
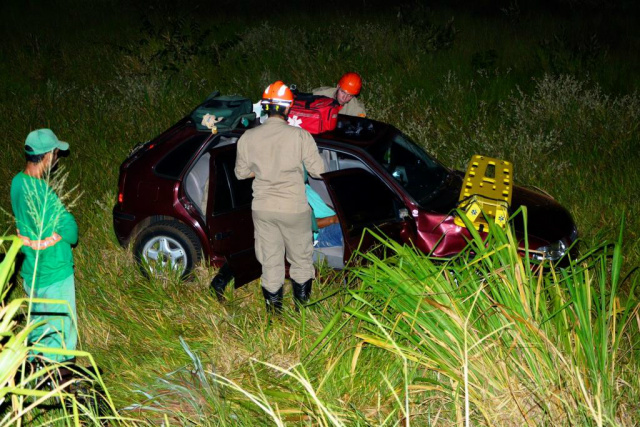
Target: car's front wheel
[{"x": 167, "y": 247}]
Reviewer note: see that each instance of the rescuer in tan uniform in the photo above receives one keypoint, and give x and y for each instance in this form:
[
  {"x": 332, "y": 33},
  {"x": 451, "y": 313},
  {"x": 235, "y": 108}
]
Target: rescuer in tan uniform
[
  {"x": 276, "y": 155},
  {"x": 346, "y": 94}
]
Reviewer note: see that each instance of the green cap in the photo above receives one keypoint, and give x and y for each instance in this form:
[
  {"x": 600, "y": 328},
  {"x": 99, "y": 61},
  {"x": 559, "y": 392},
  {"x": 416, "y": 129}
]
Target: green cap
[{"x": 42, "y": 141}]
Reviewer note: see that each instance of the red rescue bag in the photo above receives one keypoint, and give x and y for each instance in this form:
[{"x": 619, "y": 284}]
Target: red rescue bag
[{"x": 314, "y": 113}]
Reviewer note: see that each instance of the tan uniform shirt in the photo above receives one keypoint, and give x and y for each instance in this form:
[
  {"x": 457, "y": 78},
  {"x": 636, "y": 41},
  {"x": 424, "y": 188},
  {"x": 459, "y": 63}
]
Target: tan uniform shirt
[
  {"x": 275, "y": 153},
  {"x": 351, "y": 108}
]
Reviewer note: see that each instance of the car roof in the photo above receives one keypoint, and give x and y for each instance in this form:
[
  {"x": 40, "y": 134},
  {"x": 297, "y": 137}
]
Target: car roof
[
  {"x": 351, "y": 132},
  {"x": 355, "y": 131},
  {"x": 358, "y": 131}
]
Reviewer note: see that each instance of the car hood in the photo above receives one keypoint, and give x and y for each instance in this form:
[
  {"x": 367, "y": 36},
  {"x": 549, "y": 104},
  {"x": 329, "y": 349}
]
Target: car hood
[{"x": 547, "y": 220}]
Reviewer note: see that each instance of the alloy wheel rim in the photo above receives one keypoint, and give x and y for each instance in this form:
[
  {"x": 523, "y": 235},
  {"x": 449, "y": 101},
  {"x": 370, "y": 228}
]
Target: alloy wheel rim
[{"x": 164, "y": 250}]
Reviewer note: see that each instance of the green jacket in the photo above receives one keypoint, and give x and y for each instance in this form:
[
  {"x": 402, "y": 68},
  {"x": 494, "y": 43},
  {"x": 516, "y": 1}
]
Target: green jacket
[{"x": 47, "y": 230}]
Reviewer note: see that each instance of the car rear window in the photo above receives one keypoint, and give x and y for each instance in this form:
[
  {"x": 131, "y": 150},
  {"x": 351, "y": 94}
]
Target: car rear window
[{"x": 174, "y": 162}]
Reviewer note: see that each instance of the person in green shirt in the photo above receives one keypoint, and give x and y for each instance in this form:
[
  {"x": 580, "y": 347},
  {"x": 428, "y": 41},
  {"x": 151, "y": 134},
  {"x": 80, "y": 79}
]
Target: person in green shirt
[{"x": 48, "y": 230}]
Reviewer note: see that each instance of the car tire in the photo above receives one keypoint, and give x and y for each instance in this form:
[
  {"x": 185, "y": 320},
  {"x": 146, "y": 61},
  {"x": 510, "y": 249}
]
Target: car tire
[{"x": 167, "y": 241}]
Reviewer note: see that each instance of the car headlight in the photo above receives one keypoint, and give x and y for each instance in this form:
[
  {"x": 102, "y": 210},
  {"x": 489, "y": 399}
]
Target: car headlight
[{"x": 552, "y": 252}]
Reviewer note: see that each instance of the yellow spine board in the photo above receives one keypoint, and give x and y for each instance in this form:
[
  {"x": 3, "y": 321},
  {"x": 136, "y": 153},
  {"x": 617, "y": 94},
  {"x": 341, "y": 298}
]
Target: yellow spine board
[{"x": 486, "y": 188}]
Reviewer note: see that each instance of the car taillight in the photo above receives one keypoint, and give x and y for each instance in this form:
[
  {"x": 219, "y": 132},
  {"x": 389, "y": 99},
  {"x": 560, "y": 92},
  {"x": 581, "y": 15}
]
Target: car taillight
[{"x": 120, "y": 197}]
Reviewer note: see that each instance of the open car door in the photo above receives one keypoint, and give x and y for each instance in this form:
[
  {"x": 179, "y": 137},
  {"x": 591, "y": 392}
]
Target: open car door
[
  {"x": 229, "y": 216},
  {"x": 363, "y": 201}
]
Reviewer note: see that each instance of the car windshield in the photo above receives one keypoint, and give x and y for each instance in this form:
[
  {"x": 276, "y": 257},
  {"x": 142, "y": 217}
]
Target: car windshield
[{"x": 419, "y": 174}]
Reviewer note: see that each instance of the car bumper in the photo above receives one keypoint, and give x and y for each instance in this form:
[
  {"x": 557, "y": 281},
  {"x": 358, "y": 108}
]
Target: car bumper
[{"x": 123, "y": 224}]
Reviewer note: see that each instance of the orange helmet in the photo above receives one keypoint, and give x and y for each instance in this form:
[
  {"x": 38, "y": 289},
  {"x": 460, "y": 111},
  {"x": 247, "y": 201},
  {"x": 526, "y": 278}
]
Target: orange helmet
[
  {"x": 351, "y": 83},
  {"x": 277, "y": 94}
]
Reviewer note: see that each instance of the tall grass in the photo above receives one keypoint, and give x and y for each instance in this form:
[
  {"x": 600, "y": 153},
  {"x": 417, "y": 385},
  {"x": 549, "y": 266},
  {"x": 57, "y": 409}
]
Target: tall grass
[
  {"x": 483, "y": 339},
  {"x": 509, "y": 343},
  {"x": 24, "y": 392}
]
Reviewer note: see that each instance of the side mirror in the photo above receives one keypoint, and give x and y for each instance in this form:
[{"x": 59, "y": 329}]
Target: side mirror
[{"x": 400, "y": 174}]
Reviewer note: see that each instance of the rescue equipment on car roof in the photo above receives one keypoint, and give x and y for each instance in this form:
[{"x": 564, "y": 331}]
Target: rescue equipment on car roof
[
  {"x": 210, "y": 121},
  {"x": 314, "y": 113},
  {"x": 487, "y": 188},
  {"x": 228, "y": 113}
]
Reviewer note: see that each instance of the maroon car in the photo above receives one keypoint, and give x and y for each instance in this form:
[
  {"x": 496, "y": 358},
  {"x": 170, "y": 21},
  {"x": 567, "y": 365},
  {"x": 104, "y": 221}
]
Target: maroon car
[{"x": 179, "y": 200}]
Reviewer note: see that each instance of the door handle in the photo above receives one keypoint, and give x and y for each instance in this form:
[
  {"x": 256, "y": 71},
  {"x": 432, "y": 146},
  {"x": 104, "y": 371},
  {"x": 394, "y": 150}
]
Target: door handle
[{"x": 222, "y": 235}]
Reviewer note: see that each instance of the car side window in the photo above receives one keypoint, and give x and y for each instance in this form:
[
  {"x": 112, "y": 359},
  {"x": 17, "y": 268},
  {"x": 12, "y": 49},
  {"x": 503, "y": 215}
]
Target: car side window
[
  {"x": 222, "y": 195},
  {"x": 241, "y": 189},
  {"x": 347, "y": 161},
  {"x": 336, "y": 160},
  {"x": 364, "y": 199},
  {"x": 172, "y": 165},
  {"x": 231, "y": 193}
]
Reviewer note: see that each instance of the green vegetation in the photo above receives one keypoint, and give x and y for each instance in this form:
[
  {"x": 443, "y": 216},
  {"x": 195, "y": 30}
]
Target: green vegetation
[
  {"x": 556, "y": 94},
  {"x": 29, "y": 395},
  {"x": 502, "y": 339}
]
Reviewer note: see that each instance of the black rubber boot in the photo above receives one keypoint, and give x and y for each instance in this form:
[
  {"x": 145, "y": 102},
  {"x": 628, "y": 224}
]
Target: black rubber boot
[
  {"x": 219, "y": 282},
  {"x": 218, "y": 285},
  {"x": 273, "y": 300},
  {"x": 301, "y": 292}
]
